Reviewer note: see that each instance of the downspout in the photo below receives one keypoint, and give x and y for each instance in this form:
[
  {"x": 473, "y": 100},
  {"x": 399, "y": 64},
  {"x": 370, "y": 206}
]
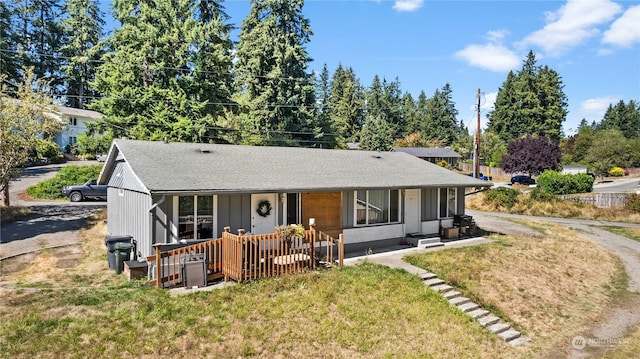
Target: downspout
[{"x": 151, "y": 213}]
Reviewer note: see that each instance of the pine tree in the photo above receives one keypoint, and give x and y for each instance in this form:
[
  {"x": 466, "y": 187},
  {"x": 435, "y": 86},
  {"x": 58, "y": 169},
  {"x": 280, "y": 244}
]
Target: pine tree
[
  {"x": 325, "y": 135},
  {"x": 166, "y": 72},
  {"x": 83, "y": 28},
  {"x": 376, "y": 134},
  {"x": 530, "y": 102},
  {"x": 623, "y": 117},
  {"x": 271, "y": 72},
  {"x": 9, "y": 64},
  {"x": 441, "y": 117}
]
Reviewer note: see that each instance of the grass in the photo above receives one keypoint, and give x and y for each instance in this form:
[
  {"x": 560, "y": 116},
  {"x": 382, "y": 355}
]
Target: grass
[
  {"x": 555, "y": 208},
  {"x": 545, "y": 286},
  {"x": 629, "y": 232}
]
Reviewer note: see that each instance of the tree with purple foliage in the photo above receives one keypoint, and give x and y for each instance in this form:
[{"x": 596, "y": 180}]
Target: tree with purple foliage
[{"x": 531, "y": 155}]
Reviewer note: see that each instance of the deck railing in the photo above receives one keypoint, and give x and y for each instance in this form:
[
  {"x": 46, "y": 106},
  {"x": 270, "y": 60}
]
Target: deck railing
[{"x": 242, "y": 257}]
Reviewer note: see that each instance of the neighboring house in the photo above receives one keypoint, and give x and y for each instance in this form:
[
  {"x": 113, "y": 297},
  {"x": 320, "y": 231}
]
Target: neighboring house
[
  {"x": 170, "y": 192},
  {"x": 433, "y": 155},
  {"x": 573, "y": 169},
  {"x": 75, "y": 122}
]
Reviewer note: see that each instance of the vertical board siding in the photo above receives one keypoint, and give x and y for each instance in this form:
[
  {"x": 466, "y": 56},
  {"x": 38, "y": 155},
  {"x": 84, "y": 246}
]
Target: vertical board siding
[{"x": 129, "y": 215}]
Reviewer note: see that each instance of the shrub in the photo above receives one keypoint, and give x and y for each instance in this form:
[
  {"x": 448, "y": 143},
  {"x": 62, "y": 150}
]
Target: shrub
[
  {"x": 616, "y": 172},
  {"x": 67, "y": 176},
  {"x": 502, "y": 197},
  {"x": 444, "y": 164},
  {"x": 537, "y": 194},
  {"x": 633, "y": 203},
  {"x": 47, "y": 149},
  {"x": 555, "y": 183}
]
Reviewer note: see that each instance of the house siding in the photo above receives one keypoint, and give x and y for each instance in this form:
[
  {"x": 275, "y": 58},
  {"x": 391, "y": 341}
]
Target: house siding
[
  {"x": 366, "y": 234},
  {"x": 234, "y": 211},
  {"x": 128, "y": 214},
  {"x": 429, "y": 203}
]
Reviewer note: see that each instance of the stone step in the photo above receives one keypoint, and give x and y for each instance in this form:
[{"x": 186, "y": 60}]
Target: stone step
[
  {"x": 478, "y": 313},
  {"x": 433, "y": 281},
  {"x": 509, "y": 335},
  {"x": 518, "y": 341},
  {"x": 459, "y": 300},
  {"x": 468, "y": 307},
  {"x": 451, "y": 294},
  {"x": 427, "y": 275},
  {"x": 432, "y": 245},
  {"x": 498, "y": 328},
  {"x": 488, "y": 320},
  {"x": 442, "y": 288}
]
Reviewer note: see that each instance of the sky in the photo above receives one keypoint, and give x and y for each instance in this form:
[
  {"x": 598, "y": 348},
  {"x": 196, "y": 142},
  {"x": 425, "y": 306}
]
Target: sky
[{"x": 594, "y": 45}]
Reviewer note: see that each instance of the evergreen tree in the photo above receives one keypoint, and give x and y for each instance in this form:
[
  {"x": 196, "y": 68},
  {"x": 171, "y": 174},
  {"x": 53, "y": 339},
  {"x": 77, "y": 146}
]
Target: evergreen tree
[
  {"x": 83, "y": 28},
  {"x": 375, "y": 99},
  {"x": 271, "y": 72},
  {"x": 324, "y": 132},
  {"x": 409, "y": 115},
  {"x": 9, "y": 64},
  {"x": 346, "y": 106},
  {"x": 530, "y": 102},
  {"x": 441, "y": 117},
  {"x": 392, "y": 107},
  {"x": 376, "y": 134},
  {"x": 623, "y": 117},
  {"x": 39, "y": 38},
  {"x": 166, "y": 72}
]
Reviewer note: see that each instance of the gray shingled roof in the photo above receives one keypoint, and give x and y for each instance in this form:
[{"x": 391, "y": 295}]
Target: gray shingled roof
[
  {"x": 428, "y": 152},
  {"x": 173, "y": 167}
]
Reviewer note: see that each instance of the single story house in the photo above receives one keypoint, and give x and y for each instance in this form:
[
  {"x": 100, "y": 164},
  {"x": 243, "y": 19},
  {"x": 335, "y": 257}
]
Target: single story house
[
  {"x": 160, "y": 192},
  {"x": 75, "y": 122},
  {"x": 433, "y": 155}
]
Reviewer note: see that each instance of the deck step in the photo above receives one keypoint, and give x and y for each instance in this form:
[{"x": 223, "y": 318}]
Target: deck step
[
  {"x": 468, "y": 307},
  {"x": 478, "y": 313},
  {"x": 509, "y": 335},
  {"x": 442, "y": 288},
  {"x": 427, "y": 275},
  {"x": 498, "y": 328},
  {"x": 433, "y": 281},
  {"x": 459, "y": 300},
  {"x": 488, "y": 320},
  {"x": 451, "y": 294}
]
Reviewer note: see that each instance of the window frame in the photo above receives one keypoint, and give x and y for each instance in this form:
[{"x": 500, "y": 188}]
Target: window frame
[
  {"x": 448, "y": 199},
  {"x": 391, "y": 210},
  {"x": 193, "y": 219}
]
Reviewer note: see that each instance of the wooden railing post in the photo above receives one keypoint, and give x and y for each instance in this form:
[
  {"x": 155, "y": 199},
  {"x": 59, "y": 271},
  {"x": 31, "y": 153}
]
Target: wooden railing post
[
  {"x": 158, "y": 265},
  {"x": 239, "y": 262},
  {"x": 312, "y": 227},
  {"x": 341, "y": 250}
]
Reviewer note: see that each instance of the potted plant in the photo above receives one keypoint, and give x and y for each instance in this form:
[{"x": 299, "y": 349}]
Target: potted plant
[{"x": 290, "y": 232}]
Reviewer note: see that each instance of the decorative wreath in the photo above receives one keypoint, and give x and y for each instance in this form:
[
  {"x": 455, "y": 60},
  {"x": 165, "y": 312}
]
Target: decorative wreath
[{"x": 264, "y": 208}]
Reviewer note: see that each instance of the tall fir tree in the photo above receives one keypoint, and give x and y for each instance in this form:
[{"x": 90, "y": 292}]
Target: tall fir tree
[
  {"x": 9, "y": 64},
  {"x": 530, "y": 102},
  {"x": 346, "y": 105},
  {"x": 623, "y": 117},
  {"x": 40, "y": 38},
  {"x": 271, "y": 73},
  {"x": 83, "y": 27},
  {"x": 441, "y": 120},
  {"x": 166, "y": 71},
  {"x": 325, "y": 136},
  {"x": 376, "y": 134}
]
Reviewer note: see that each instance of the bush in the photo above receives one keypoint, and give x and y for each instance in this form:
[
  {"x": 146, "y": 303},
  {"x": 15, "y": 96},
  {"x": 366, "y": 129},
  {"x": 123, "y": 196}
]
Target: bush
[
  {"x": 502, "y": 197},
  {"x": 537, "y": 194},
  {"x": 47, "y": 149},
  {"x": 444, "y": 164},
  {"x": 616, "y": 172},
  {"x": 633, "y": 203},
  {"x": 555, "y": 183},
  {"x": 67, "y": 176}
]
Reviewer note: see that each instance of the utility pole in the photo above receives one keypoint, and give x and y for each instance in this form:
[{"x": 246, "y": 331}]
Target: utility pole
[{"x": 476, "y": 147}]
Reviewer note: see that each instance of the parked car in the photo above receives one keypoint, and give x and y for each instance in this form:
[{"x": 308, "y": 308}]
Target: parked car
[
  {"x": 522, "y": 179},
  {"x": 89, "y": 189},
  {"x": 101, "y": 158}
]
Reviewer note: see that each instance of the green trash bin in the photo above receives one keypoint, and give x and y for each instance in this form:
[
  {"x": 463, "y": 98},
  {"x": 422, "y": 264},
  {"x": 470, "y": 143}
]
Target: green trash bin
[{"x": 123, "y": 253}]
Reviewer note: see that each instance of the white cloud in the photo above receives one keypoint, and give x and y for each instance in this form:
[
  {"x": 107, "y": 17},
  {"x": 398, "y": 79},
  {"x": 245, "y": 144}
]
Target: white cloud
[
  {"x": 625, "y": 31},
  {"x": 493, "y": 57},
  {"x": 594, "y": 109},
  {"x": 408, "y": 5},
  {"x": 572, "y": 24}
]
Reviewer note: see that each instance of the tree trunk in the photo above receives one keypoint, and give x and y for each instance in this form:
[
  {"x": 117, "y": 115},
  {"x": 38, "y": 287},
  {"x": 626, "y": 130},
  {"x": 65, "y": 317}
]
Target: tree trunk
[{"x": 6, "y": 195}]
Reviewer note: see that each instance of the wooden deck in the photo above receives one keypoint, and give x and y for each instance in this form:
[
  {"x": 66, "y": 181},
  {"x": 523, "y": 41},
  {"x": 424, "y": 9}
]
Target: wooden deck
[{"x": 241, "y": 257}]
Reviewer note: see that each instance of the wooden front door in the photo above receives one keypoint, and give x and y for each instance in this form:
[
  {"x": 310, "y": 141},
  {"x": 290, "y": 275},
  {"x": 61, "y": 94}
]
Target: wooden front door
[{"x": 326, "y": 208}]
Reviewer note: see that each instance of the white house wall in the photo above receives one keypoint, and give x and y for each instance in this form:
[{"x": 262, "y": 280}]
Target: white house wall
[
  {"x": 128, "y": 214},
  {"x": 367, "y": 234}
]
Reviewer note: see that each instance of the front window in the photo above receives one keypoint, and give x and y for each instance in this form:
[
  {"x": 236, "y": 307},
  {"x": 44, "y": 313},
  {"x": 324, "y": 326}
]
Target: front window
[
  {"x": 448, "y": 201},
  {"x": 195, "y": 217},
  {"x": 377, "y": 206}
]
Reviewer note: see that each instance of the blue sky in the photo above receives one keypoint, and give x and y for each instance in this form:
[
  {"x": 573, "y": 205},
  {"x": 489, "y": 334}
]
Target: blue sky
[{"x": 593, "y": 44}]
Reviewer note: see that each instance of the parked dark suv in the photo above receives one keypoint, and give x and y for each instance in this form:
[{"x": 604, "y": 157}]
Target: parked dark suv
[
  {"x": 522, "y": 179},
  {"x": 88, "y": 190}
]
